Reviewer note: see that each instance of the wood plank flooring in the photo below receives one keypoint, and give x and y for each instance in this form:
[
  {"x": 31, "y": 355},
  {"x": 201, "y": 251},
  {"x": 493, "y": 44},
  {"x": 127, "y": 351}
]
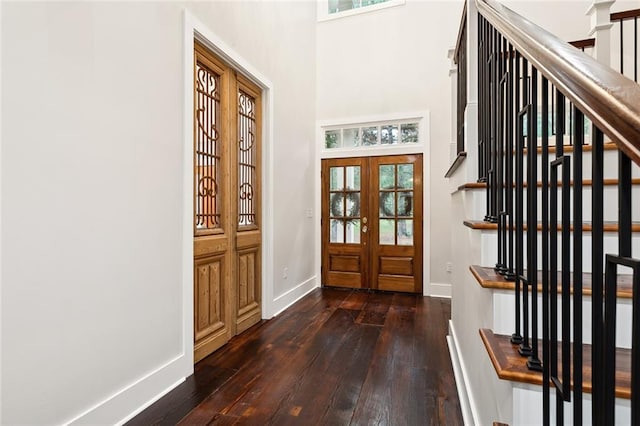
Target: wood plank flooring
[{"x": 337, "y": 357}]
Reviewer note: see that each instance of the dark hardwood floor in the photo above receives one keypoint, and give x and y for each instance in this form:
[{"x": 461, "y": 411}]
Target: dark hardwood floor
[{"x": 337, "y": 357}]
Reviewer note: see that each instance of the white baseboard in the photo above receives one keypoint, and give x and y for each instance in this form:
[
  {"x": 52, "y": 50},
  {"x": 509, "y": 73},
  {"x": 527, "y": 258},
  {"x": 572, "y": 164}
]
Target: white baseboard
[
  {"x": 290, "y": 297},
  {"x": 467, "y": 403},
  {"x": 126, "y": 403},
  {"x": 440, "y": 290}
]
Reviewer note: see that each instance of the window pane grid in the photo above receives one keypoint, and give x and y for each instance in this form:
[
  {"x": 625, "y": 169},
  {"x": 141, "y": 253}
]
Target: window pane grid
[
  {"x": 395, "y": 212},
  {"x": 344, "y": 204},
  {"x": 396, "y": 133},
  {"x": 336, "y": 6}
]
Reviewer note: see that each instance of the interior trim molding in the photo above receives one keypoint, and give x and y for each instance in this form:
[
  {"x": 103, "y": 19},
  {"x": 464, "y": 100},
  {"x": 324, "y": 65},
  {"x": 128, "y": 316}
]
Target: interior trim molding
[
  {"x": 440, "y": 290},
  {"x": 291, "y": 296},
  {"x": 134, "y": 397},
  {"x": 467, "y": 402}
]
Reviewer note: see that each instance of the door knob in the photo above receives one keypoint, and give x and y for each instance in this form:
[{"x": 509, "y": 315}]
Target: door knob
[
  {"x": 364, "y": 229},
  {"x": 364, "y": 220}
]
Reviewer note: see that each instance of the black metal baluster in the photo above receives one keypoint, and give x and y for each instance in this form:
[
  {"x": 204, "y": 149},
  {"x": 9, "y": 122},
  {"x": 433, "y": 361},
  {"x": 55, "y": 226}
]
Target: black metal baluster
[
  {"x": 565, "y": 224},
  {"x": 525, "y": 346},
  {"x": 562, "y": 385},
  {"x": 624, "y": 205},
  {"x": 635, "y": 49},
  {"x": 546, "y": 394},
  {"x": 481, "y": 97},
  {"x": 624, "y": 241},
  {"x": 609, "y": 365},
  {"x": 578, "y": 133},
  {"x": 487, "y": 113},
  {"x": 635, "y": 347},
  {"x": 621, "y": 48},
  {"x": 532, "y": 218},
  {"x": 492, "y": 159},
  {"x": 565, "y": 162},
  {"x": 512, "y": 80},
  {"x": 597, "y": 250},
  {"x": 521, "y": 305},
  {"x": 516, "y": 337},
  {"x": 553, "y": 289},
  {"x": 500, "y": 155},
  {"x": 495, "y": 164}
]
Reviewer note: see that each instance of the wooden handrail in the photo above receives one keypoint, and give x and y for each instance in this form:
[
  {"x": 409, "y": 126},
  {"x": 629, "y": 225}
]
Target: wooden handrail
[
  {"x": 610, "y": 100},
  {"x": 627, "y": 14},
  {"x": 587, "y": 42}
]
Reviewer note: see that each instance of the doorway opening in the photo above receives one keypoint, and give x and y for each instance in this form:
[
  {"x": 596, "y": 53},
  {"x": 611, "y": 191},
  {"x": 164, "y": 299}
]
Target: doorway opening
[
  {"x": 227, "y": 228},
  {"x": 372, "y": 222}
]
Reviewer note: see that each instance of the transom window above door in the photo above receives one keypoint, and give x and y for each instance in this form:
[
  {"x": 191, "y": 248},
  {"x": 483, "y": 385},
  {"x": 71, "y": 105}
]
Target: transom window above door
[{"x": 372, "y": 134}]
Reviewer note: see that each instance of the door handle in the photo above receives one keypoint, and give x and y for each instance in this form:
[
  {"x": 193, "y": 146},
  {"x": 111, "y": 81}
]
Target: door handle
[
  {"x": 364, "y": 220},
  {"x": 364, "y": 229}
]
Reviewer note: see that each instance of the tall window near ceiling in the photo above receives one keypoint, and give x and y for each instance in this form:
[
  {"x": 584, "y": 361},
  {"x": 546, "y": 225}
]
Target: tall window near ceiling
[
  {"x": 329, "y": 9},
  {"x": 336, "y": 6}
]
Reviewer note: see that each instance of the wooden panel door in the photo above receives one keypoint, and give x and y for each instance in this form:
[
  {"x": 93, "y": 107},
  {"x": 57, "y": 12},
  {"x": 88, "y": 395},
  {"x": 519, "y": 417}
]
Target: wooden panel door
[
  {"x": 396, "y": 231},
  {"x": 248, "y": 237},
  {"x": 212, "y": 229},
  {"x": 227, "y": 232},
  {"x": 372, "y": 225},
  {"x": 345, "y": 208}
]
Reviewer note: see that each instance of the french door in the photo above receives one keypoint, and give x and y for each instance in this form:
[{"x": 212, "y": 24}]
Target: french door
[
  {"x": 227, "y": 231},
  {"x": 372, "y": 223}
]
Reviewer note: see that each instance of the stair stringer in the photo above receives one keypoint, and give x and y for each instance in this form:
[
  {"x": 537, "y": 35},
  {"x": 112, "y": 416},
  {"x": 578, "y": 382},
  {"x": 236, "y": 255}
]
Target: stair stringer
[{"x": 488, "y": 398}]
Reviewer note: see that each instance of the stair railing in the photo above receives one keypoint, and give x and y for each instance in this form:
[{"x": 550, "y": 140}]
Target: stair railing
[
  {"x": 529, "y": 83},
  {"x": 623, "y": 20}
]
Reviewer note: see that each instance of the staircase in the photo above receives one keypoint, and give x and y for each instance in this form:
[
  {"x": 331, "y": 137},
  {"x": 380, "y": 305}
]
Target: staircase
[{"x": 545, "y": 328}]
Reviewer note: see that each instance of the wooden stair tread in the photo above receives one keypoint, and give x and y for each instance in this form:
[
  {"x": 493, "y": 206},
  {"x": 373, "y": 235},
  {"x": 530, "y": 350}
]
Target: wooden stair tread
[
  {"x": 585, "y": 182},
  {"x": 586, "y": 226},
  {"x": 510, "y": 365},
  {"x": 488, "y": 278}
]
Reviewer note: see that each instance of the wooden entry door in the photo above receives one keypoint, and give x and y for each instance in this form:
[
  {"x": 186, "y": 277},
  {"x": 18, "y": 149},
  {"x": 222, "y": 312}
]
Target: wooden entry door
[
  {"x": 372, "y": 223},
  {"x": 227, "y": 231},
  {"x": 345, "y": 215}
]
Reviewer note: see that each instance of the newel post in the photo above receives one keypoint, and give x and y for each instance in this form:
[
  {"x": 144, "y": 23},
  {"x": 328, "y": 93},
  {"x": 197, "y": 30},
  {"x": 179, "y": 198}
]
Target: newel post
[{"x": 600, "y": 11}]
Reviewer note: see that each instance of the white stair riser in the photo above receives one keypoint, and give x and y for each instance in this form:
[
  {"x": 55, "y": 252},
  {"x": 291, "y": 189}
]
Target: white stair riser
[
  {"x": 609, "y": 207},
  {"x": 527, "y": 407},
  {"x": 489, "y": 247},
  {"x": 610, "y": 165},
  {"x": 504, "y": 317}
]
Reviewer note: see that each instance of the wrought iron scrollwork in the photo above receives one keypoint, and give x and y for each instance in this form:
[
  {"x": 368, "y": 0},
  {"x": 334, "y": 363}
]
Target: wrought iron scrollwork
[
  {"x": 247, "y": 158},
  {"x": 207, "y": 112}
]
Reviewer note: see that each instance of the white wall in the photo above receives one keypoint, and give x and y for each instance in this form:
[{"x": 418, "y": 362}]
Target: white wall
[
  {"x": 92, "y": 147},
  {"x": 389, "y": 61}
]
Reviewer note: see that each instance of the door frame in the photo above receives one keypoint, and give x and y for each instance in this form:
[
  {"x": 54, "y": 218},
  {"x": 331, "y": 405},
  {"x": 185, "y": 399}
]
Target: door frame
[
  {"x": 195, "y": 29},
  {"x": 422, "y": 147}
]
